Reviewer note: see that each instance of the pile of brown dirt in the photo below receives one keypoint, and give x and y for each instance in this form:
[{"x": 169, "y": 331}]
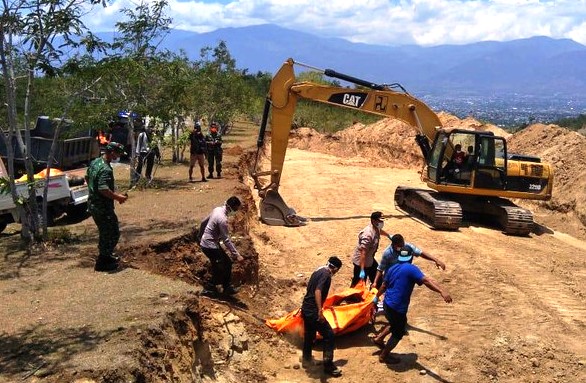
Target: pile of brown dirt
[
  {"x": 388, "y": 142},
  {"x": 385, "y": 143},
  {"x": 566, "y": 151},
  {"x": 469, "y": 123}
]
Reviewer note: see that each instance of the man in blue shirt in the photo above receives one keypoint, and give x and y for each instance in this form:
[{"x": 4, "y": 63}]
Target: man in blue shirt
[
  {"x": 391, "y": 253},
  {"x": 398, "y": 284}
]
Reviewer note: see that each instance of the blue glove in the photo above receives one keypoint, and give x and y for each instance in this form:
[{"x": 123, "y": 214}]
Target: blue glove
[
  {"x": 362, "y": 274},
  {"x": 375, "y": 300}
]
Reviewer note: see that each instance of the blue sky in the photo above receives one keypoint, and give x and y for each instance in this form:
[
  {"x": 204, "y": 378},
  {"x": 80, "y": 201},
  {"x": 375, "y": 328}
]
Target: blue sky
[{"x": 386, "y": 22}]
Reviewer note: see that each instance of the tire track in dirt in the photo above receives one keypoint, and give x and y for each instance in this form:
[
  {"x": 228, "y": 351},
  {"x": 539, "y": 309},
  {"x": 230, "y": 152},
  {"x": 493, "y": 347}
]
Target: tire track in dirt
[
  {"x": 551, "y": 292},
  {"x": 503, "y": 303}
]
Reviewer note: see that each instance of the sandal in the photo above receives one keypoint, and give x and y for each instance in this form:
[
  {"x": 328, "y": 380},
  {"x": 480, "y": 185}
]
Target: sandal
[{"x": 378, "y": 344}]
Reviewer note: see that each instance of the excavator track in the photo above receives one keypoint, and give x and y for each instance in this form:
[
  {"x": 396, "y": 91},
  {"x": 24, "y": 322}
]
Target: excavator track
[
  {"x": 430, "y": 206},
  {"x": 518, "y": 221},
  {"x": 512, "y": 219},
  {"x": 444, "y": 211}
]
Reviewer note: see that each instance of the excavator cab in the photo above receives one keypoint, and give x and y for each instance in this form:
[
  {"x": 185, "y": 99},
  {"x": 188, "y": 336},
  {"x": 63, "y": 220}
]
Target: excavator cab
[{"x": 463, "y": 158}]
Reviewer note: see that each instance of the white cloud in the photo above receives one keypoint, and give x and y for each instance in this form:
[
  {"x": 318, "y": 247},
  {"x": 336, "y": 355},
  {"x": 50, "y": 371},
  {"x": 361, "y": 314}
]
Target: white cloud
[{"x": 387, "y": 22}]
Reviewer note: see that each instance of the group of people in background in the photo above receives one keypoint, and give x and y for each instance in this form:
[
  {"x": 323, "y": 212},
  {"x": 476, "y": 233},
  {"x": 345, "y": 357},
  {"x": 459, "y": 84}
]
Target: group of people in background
[
  {"x": 394, "y": 278},
  {"x": 146, "y": 148},
  {"x": 202, "y": 147}
]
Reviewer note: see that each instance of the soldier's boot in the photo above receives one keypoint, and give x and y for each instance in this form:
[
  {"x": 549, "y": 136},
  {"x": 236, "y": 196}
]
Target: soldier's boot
[{"x": 106, "y": 264}]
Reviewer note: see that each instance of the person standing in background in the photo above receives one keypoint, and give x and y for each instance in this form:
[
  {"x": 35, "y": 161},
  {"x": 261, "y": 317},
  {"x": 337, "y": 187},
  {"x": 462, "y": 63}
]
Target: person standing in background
[
  {"x": 198, "y": 148},
  {"x": 145, "y": 154},
  {"x": 214, "y": 146}
]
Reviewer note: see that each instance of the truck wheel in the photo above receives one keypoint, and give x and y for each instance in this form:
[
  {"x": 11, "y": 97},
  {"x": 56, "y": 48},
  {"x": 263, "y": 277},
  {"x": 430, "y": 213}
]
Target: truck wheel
[{"x": 77, "y": 211}]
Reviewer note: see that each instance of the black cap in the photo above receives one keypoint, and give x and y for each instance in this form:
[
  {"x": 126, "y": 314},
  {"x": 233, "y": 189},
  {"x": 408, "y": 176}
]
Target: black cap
[
  {"x": 398, "y": 239},
  {"x": 335, "y": 262},
  {"x": 377, "y": 215},
  {"x": 234, "y": 203}
]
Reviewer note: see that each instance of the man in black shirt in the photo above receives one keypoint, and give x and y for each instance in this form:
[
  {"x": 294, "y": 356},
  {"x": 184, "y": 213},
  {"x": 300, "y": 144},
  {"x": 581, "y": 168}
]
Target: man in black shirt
[
  {"x": 318, "y": 288},
  {"x": 197, "y": 151}
]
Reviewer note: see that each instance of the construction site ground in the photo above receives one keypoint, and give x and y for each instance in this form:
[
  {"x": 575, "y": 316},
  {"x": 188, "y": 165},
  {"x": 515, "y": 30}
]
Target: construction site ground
[{"x": 519, "y": 309}]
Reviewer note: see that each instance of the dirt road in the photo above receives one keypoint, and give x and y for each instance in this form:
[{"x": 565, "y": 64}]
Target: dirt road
[{"x": 519, "y": 311}]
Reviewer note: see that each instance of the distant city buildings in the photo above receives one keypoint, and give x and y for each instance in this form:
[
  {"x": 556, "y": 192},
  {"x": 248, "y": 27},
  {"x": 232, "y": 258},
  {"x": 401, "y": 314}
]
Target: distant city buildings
[{"x": 509, "y": 111}]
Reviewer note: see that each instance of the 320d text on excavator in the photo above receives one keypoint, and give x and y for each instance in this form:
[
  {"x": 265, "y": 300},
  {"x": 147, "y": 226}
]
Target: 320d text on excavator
[{"x": 479, "y": 181}]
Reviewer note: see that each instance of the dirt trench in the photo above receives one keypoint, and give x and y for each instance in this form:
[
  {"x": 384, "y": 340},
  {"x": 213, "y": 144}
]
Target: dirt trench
[
  {"x": 209, "y": 339},
  {"x": 208, "y": 350}
]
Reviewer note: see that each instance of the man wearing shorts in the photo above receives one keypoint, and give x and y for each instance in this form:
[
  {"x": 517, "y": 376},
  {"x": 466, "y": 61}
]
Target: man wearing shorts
[{"x": 198, "y": 152}]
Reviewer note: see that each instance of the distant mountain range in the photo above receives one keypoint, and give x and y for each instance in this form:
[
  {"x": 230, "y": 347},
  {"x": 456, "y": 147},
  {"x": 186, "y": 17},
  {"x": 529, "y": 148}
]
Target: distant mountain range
[{"x": 535, "y": 67}]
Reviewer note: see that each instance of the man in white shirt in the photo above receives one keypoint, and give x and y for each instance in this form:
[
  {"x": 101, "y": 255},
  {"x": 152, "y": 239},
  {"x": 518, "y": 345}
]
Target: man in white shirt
[
  {"x": 216, "y": 230},
  {"x": 144, "y": 155}
]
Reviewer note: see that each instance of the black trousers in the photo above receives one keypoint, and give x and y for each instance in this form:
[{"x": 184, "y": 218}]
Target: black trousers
[
  {"x": 397, "y": 321},
  {"x": 312, "y": 326},
  {"x": 149, "y": 158},
  {"x": 221, "y": 268},
  {"x": 215, "y": 156},
  {"x": 370, "y": 273}
]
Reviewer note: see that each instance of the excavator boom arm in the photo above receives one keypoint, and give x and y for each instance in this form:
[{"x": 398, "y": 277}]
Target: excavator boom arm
[{"x": 373, "y": 99}]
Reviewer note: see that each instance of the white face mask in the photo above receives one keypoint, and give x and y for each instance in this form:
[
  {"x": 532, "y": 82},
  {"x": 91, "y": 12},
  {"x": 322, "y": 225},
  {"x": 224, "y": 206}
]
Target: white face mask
[
  {"x": 380, "y": 225},
  {"x": 229, "y": 211}
]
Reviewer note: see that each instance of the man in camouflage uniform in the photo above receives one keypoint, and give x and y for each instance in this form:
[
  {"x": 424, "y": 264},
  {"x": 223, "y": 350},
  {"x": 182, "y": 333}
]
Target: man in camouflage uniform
[
  {"x": 214, "y": 146},
  {"x": 100, "y": 180}
]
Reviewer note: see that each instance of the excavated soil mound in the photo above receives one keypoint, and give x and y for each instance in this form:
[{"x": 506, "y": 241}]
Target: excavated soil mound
[
  {"x": 566, "y": 151},
  {"x": 388, "y": 142},
  {"x": 469, "y": 123}
]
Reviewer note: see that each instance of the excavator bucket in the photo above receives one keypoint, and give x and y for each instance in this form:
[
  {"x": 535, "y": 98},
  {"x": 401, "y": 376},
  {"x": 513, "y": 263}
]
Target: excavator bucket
[{"x": 275, "y": 212}]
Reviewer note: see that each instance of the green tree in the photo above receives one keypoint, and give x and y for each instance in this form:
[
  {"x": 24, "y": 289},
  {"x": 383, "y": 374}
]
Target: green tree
[
  {"x": 144, "y": 28},
  {"x": 221, "y": 91},
  {"x": 574, "y": 123},
  {"x": 33, "y": 35}
]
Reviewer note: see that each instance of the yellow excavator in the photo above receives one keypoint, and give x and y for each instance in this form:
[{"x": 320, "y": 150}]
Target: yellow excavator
[{"x": 476, "y": 181}]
